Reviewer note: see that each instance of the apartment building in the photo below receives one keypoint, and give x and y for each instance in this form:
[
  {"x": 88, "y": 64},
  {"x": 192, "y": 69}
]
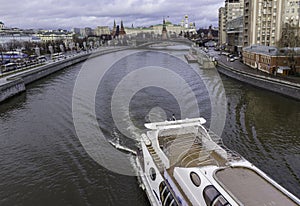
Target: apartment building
[
  {"x": 234, "y": 29},
  {"x": 292, "y": 12},
  {"x": 233, "y": 9},
  {"x": 222, "y": 26},
  {"x": 263, "y": 21}
]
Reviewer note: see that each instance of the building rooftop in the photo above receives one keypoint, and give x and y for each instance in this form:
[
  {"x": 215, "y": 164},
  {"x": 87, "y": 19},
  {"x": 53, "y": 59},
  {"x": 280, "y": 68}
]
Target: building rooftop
[{"x": 271, "y": 50}]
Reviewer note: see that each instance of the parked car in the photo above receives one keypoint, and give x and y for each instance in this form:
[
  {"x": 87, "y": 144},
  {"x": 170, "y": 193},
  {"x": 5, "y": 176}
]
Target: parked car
[
  {"x": 41, "y": 59},
  {"x": 8, "y": 67}
]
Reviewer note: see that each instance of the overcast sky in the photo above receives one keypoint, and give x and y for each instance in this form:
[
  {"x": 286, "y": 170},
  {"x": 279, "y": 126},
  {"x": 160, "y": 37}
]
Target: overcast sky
[{"x": 67, "y": 14}]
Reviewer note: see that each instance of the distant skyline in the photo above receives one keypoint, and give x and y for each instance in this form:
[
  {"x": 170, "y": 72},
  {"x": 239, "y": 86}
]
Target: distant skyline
[{"x": 67, "y": 14}]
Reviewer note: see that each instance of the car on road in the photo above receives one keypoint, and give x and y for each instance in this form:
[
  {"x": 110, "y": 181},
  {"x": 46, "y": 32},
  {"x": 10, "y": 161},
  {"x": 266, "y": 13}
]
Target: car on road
[
  {"x": 8, "y": 67},
  {"x": 42, "y": 59}
]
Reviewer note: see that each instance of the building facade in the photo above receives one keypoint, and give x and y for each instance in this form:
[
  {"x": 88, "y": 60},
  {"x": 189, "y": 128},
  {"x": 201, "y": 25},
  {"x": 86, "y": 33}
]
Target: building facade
[
  {"x": 100, "y": 30},
  {"x": 222, "y": 26},
  {"x": 263, "y": 21},
  {"x": 272, "y": 60},
  {"x": 87, "y": 31},
  {"x": 292, "y": 12},
  {"x": 233, "y": 9},
  {"x": 1, "y": 25},
  {"x": 76, "y": 31},
  {"x": 55, "y": 36},
  {"x": 234, "y": 30},
  {"x": 173, "y": 30}
]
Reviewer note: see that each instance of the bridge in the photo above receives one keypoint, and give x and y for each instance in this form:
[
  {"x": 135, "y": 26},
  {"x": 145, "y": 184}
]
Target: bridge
[{"x": 145, "y": 43}]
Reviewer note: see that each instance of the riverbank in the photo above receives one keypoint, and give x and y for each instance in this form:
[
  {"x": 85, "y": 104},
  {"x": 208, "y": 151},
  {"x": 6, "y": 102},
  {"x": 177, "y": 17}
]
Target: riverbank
[
  {"x": 14, "y": 84},
  {"x": 287, "y": 86}
]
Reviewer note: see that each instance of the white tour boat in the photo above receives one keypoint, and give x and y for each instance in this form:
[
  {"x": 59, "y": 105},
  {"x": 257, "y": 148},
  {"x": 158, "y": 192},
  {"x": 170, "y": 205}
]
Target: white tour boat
[{"x": 181, "y": 163}]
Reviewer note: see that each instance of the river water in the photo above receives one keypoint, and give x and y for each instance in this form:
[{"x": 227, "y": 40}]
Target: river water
[{"x": 42, "y": 157}]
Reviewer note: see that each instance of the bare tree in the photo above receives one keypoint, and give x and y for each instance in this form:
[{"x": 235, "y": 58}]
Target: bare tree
[{"x": 290, "y": 39}]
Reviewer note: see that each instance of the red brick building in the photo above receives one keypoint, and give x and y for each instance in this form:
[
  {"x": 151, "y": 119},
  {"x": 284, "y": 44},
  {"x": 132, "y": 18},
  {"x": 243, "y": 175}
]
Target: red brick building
[{"x": 271, "y": 59}]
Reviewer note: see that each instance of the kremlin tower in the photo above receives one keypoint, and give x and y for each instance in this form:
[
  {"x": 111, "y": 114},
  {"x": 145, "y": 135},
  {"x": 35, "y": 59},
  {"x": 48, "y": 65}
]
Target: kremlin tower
[
  {"x": 114, "y": 30},
  {"x": 164, "y": 34},
  {"x": 122, "y": 31}
]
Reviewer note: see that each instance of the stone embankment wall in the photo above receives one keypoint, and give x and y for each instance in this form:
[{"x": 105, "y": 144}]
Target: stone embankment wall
[
  {"x": 286, "y": 88},
  {"x": 11, "y": 88},
  {"x": 202, "y": 58},
  {"x": 16, "y": 83}
]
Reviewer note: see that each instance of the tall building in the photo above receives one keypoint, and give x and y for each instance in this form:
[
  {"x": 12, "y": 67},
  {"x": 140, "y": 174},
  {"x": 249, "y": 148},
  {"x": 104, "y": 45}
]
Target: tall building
[
  {"x": 292, "y": 12},
  {"x": 233, "y": 14},
  {"x": 234, "y": 29},
  {"x": 222, "y": 26},
  {"x": 233, "y": 9},
  {"x": 263, "y": 21},
  {"x": 291, "y": 24},
  {"x": 75, "y": 30},
  {"x": 87, "y": 31}
]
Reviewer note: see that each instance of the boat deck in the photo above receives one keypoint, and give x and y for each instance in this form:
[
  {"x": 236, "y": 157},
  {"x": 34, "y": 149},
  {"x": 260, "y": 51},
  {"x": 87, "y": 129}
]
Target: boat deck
[
  {"x": 187, "y": 151},
  {"x": 249, "y": 188}
]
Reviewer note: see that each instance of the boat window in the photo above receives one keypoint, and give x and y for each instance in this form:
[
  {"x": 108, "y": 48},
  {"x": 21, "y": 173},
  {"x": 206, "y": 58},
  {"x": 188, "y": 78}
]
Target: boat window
[
  {"x": 167, "y": 199},
  {"x": 162, "y": 186},
  {"x": 220, "y": 201},
  {"x": 152, "y": 173},
  {"x": 173, "y": 203},
  {"x": 195, "y": 179},
  {"x": 156, "y": 195},
  {"x": 165, "y": 192},
  {"x": 210, "y": 193},
  {"x": 213, "y": 197}
]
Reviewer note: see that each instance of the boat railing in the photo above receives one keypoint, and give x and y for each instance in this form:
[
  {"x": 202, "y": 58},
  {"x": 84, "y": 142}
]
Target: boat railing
[{"x": 231, "y": 155}]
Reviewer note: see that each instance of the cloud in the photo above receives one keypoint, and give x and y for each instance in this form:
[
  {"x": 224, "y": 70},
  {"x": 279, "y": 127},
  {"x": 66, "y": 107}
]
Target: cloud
[{"x": 68, "y": 14}]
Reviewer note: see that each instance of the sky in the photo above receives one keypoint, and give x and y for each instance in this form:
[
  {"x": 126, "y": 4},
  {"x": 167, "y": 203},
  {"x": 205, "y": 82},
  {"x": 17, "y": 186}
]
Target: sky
[{"x": 68, "y": 14}]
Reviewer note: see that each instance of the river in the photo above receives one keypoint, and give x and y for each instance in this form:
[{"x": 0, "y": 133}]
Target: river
[{"x": 42, "y": 157}]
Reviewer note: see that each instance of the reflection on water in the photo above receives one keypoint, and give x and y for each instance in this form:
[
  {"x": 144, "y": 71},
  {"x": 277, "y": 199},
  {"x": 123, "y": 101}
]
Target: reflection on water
[{"x": 263, "y": 127}]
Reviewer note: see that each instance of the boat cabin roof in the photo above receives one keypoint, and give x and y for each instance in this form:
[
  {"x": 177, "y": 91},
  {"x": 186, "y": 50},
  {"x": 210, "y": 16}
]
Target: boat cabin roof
[{"x": 249, "y": 188}]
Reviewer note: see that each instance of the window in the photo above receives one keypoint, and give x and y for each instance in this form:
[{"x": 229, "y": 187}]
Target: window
[
  {"x": 156, "y": 195},
  {"x": 195, "y": 179},
  {"x": 213, "y": 197},
  {"x": 220, "y": 201},
  {"x": 152, "y": 173},
  {"x": 166, "y": 196}
]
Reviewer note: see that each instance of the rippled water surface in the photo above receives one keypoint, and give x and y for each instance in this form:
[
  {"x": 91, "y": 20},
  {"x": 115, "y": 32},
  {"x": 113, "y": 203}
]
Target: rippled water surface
[{"x": 43, "y": 162}]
